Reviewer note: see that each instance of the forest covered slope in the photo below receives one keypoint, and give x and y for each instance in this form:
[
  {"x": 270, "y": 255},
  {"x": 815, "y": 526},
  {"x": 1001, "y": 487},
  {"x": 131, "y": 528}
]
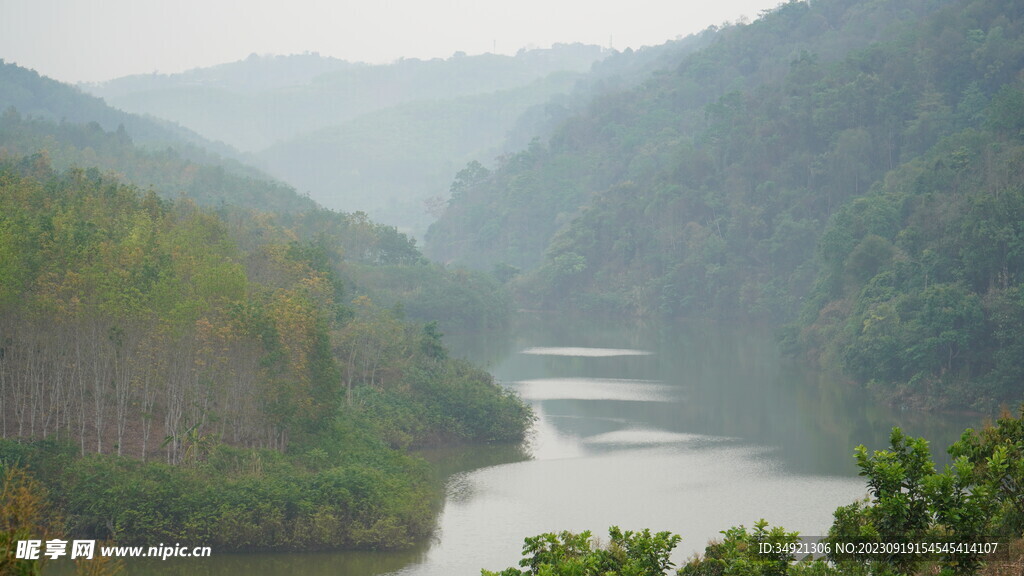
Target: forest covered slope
[
  {"x": 721, "y": 186},
  {"x": 196, "y": 326},
  {"x": 44, "y": 98},
  {"x": 368, "y": 254}
]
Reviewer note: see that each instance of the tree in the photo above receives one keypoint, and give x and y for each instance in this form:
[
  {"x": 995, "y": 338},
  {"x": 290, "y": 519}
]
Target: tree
[
  {"x": 25, "y": 515},
  {"x": 898, "y": 509},
  {"x": 763, "y": 552},
  {"x": 996, "y": 458},
  {"x": 911, "y": 504},
  {"x": 568, "y": 554},
  {"x": 366, "y": 341}
]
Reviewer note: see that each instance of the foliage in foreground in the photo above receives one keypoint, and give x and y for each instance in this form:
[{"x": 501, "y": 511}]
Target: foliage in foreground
[
  {"x": 23, "y": 515},
  {"x": 356, "y": 494},
  {"x": 977, "y": 500},
  {"x": 568, "y": 554}
]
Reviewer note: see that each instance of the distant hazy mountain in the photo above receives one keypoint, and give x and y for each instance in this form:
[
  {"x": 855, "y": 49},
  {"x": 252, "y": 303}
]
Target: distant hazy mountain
[
  {"x": 37, "y": 96},
  {"x": 378, "y": 138},
  {"x": 77, "y": 129},
  {"x": 261, "y": 100},
  {"x": 391, "y": 163}
]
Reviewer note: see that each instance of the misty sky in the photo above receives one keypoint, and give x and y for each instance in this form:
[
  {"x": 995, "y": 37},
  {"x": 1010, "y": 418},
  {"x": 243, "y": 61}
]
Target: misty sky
[{"x": 93, "y": 40}]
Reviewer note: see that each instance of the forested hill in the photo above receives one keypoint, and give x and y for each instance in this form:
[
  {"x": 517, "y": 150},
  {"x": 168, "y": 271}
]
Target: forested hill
[
  {"x": 373, "y": 259},
  {"x": 386, "y": 139},
  {"x": 232, "y": 360},
  {"x": 40, "y": 97},
  {"x": 706, "y": 188},
  {"x": 695, "y": 129},
  {"x": 174, "y": 169},
  {"x": 920, "y": 290},
  {"x": 397, "y": 162},
  {"x": 231, "y": 351},
  {"x": 706, "y": 191}
]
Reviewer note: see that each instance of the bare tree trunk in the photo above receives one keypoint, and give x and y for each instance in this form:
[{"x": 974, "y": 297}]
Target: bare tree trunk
[
  {"x": 99, "y": 360},
  {"x": 146, "y": 409},
  {"x": 4, "y": 383},
  {"x": 123, "y": 371},
  {"x": 80, "y": 387}
]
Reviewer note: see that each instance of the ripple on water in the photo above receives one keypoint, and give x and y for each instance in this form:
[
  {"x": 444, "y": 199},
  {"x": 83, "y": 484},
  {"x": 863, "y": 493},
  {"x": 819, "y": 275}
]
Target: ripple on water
[
  {"x": 584, "y": 352},
  {"x": 651, "y": 437},
  {"x": 596, "y": 389}
]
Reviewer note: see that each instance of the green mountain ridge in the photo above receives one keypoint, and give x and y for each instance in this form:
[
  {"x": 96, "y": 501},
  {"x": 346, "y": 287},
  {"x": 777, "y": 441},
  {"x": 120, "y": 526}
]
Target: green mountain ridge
[
  {"x": 40, "y": 97},
  {"x": 705, "y": 191},
  {"x": 641, "y": 133}
]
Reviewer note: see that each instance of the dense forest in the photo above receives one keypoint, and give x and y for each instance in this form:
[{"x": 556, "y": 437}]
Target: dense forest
[
  {"x": 142, "y": 327},
  {"x": 919, "y": 291},
  {"x": 374, "y": 259},
  {"x": 192, "y": 352},
  {"x": 739, "y": 185}
]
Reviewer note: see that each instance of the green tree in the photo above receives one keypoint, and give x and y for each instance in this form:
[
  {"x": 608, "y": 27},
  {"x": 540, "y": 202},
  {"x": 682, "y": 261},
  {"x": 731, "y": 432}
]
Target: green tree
[
  {"x": 568, "y": 554},
  {"x": 995, "y": 455},
  {"x": 762, "y": 552},
  {"x": 910, "y": 503},
  {"x": 898, "y": 511},
  {"x": 25, "y": 514}
]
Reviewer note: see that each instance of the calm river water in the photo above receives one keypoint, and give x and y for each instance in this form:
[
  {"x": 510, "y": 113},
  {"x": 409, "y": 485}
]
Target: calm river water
[{"x": 692, "y": 430}]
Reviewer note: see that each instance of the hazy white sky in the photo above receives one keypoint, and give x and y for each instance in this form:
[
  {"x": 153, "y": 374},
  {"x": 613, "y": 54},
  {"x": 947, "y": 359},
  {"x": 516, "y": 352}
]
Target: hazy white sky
[{"x": 92, "y": 40}]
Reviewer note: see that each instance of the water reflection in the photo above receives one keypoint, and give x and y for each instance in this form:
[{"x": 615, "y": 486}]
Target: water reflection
[
  {"x": 648, "y": 437},
  {"x": 724, "y": 381},
  {"x": 608, "y": 389},
  {"x": 637, "y": 432},
  {"x": 692, "y": 429},
  {"x": 258, "y": 564},
  {"x": 584, "y": 352}
]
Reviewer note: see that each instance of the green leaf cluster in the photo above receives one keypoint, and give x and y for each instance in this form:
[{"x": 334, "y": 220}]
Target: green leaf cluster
[
  {"x": 567, "y": 554},
  {"x": 975, "y": 500}
]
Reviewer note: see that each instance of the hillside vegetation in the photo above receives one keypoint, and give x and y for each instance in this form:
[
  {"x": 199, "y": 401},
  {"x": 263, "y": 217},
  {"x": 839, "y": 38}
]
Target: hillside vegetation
[
  {"x": 735, "y": 185},
  {"x": 367, "y": 254},
  {"x": 44, "y": 98},
  {"x": 191, "y": 352},
  {"x": 226, "y": 348}
]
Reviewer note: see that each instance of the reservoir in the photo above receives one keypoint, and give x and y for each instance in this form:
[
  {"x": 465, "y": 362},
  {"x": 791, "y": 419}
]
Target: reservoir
[{"x": 692, "y": 429}]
